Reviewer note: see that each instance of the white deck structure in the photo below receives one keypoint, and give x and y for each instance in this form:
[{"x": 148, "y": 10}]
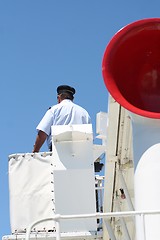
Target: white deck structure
[
  {"x": 52, "y": 195},
  {"x": 62, "y": 184}
]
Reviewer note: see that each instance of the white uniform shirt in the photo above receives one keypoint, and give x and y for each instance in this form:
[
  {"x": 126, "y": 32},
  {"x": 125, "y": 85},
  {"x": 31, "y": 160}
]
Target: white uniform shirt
[{"x": 63, "y": 113}]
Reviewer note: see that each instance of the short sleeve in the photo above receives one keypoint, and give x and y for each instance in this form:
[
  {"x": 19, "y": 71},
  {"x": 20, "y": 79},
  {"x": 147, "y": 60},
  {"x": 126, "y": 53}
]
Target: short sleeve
[{"x": 46, "y": 123}]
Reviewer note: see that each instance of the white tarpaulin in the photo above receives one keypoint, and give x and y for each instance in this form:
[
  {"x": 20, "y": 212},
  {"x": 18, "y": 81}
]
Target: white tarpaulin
[{"x": 31, "y": 190}]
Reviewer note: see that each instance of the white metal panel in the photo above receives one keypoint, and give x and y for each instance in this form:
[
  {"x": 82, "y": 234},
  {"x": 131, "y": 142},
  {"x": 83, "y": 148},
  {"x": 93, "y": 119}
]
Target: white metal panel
[
  {"x": 98, "y": 150},
  {"x": 75, "y": 194},
  {"x": 145, "y": 134},
  {"x": 125, "y": 137},
  {"x": 101, "y": 125},
  {"x": 74, "y": 181},
  {"x": 111, "y": 148},
  {"x": 111, "y": 152},
  {"x": 147, "y": 192},
  {"x": 119, "y": 160},
  {"x": 75, "y": 155},
  {"x": 72, "y": 132}
]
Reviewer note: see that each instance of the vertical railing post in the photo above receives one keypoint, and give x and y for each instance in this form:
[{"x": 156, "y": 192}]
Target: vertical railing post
[
  {"x": 58, "y": 232},
  {"x": 143, "y": 225}
]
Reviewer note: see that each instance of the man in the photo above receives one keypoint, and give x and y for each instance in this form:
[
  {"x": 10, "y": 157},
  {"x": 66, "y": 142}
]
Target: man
[{"x": 64, "y": 113}]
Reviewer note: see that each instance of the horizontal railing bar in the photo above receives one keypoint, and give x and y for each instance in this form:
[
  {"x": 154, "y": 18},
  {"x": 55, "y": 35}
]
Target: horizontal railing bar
[
  {"x": 58, "y": 217},
  {"x": 107, "y": 215}
]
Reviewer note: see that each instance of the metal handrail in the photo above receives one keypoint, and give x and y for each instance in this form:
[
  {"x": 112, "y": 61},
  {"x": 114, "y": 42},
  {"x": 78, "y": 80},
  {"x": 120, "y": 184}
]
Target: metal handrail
[{"x": 104, "y": 216}]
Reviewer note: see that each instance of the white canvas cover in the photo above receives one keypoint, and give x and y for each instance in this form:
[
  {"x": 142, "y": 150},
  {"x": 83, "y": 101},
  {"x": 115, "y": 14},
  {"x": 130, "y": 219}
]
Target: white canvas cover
[{"x": 31, "y": 190}]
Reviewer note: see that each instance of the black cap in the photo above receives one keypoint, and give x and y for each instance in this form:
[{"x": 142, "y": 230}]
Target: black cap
[{"x": 65, "y": 88}]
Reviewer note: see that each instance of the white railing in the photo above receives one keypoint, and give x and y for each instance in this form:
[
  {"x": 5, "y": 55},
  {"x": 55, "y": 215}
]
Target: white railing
[{"x": 103, "y": 216}]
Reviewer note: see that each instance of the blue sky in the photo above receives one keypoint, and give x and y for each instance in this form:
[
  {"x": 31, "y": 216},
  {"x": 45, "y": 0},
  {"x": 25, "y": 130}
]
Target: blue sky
[{"x": 47, "y": 43}]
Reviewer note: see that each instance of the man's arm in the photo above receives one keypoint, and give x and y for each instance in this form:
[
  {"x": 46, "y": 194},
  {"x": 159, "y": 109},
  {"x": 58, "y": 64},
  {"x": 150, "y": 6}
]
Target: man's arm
[{"x": 40, "y": 139}]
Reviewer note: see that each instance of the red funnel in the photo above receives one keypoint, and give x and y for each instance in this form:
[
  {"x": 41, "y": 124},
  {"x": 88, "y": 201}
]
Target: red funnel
[{"x": 131, "y": 67}]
